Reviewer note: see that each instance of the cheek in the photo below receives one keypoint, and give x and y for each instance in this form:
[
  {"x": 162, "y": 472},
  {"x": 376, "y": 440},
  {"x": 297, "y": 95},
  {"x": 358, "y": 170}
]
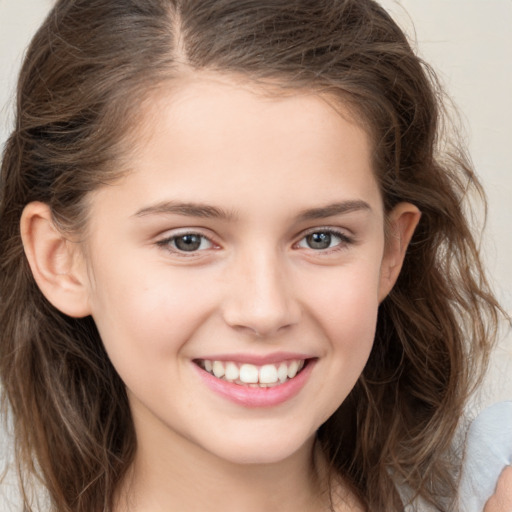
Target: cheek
[
  {"x": 143, "y": 317},
  {"x": 344, "y": 306}
]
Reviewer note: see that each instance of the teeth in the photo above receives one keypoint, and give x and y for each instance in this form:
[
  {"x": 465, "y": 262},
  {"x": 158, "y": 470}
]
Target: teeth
[
  {"x": 218, "y": 369},
  {"x": 282, "y": 372},
  {"x": 249, "y": 374},
  {"x": 267, "y": 375},
  {"x": 232, "y": 371},
  {"x": 292, "y": 369}
]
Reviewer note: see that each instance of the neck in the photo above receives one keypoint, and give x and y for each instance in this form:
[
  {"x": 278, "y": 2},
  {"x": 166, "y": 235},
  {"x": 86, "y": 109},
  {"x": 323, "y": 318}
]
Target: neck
[{"x": 170, "y": 473}]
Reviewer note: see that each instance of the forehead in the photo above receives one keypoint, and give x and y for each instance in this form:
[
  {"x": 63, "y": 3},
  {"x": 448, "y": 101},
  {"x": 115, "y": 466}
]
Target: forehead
[
  {"x": 215, "y": 134},
  {"x": 194, "y": 95},
  {"x": 209, "y": 104}
]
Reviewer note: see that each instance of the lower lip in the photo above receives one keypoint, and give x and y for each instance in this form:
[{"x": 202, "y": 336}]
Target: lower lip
[{"x": 258, "y": 397}]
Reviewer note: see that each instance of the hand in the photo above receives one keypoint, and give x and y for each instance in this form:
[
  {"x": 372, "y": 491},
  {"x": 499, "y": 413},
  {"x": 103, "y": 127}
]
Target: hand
[{"x": 501, "y": 500}]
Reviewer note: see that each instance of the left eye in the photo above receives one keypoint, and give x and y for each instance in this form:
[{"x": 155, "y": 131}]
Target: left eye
[
  {"x": 321, "y": 240},
  {"x": 188, "y": 242}
]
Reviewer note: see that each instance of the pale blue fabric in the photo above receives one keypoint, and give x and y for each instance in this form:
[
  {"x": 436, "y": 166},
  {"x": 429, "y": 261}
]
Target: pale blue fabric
[{"x": 488, "y": 452}]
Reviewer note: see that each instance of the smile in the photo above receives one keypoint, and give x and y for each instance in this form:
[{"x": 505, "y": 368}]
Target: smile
[{"x": 267, "y": 375}]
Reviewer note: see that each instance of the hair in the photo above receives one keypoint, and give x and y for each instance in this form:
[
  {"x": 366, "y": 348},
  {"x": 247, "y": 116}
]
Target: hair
[{"x": 89, "y": 69}]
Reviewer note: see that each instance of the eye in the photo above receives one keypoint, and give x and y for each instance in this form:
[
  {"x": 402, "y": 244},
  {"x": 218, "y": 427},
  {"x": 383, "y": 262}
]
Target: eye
[
  {"x": 323, "y": 240},
  {"x": 187, "y": 242}
]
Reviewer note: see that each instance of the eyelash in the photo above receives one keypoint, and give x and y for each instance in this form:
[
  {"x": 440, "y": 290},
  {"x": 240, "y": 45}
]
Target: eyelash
[
  {"x": 169, "y": 243},
  {"x": 344, "y": 240}
]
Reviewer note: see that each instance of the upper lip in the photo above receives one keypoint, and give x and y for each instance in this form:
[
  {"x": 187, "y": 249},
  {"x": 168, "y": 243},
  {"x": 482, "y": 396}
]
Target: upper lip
[{"x": 257, "y": 359}]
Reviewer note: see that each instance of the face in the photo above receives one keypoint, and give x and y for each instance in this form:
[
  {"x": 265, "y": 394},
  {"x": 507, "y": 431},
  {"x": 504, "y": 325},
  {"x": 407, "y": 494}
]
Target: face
[{"x": 235, "y": 274}]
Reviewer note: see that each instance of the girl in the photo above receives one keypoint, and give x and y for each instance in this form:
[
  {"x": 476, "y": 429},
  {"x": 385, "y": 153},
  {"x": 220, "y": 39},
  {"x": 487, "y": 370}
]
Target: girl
[{"x": 235, "y": 268}]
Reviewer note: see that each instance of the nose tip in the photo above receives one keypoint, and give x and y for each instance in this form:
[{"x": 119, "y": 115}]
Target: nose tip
[
  {"x": 258, "y": 323},
  {"x": 261, "y": 301}
]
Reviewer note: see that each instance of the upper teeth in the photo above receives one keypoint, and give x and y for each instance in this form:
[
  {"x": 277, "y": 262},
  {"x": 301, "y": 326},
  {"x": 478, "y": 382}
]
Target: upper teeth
[{"x": 245, "y": 373}]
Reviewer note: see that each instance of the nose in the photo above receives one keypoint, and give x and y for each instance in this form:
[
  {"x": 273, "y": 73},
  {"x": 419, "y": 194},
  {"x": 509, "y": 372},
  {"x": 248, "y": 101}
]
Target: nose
[{"x": 260, "y": 298}]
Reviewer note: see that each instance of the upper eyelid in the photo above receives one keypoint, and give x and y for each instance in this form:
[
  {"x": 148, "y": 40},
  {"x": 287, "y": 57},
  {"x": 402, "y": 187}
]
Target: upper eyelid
[
  {"x": 164, "y": 240},
  {"x": 342, "y": 232},
  {"x": 170, "y": 234},
  {"x": 346, "y": 240},
  {"x": 177, "y": 232}
]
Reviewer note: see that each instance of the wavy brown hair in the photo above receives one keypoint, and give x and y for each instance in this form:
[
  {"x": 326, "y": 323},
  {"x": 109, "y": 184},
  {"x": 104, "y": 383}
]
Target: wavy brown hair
[{"x": 89, "y": 69}]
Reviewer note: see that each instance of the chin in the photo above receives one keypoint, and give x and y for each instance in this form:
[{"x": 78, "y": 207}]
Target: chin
[{"x": 262, "y": 449}]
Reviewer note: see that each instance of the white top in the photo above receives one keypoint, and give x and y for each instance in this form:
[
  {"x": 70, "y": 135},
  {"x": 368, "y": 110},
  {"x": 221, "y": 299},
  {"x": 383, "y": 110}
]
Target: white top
[{"x": 488, "y": 451}]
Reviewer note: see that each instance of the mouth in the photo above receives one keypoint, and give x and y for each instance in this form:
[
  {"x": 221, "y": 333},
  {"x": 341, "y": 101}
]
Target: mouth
[{"x": 251, "y": 375}]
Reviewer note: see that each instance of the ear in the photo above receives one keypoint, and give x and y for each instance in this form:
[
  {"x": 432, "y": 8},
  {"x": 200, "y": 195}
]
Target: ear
[
  {"x": 56, "y": 263},
  {"x": 401, "y": 223}
]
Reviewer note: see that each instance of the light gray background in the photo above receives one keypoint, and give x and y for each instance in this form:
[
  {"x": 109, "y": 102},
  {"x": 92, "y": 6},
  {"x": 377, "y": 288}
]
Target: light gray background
[{"x": 469, "y": 42}]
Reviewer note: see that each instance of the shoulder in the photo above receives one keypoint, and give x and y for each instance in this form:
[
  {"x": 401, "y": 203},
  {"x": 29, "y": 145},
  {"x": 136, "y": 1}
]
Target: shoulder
[{"x": 488, "y": 451}]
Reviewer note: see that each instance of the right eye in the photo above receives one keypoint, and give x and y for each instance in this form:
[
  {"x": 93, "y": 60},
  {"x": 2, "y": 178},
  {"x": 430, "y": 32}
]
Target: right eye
[{"x": 186, "y": 242}]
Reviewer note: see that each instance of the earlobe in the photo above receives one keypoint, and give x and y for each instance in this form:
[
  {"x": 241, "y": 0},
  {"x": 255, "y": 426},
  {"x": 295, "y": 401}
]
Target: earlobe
[
  {"x": 402, "y": 222},
  {"x": 54, "y": 261}
]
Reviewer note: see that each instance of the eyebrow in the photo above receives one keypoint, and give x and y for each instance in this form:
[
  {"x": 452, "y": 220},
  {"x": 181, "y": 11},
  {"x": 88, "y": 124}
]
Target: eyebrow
[
  {"x": 334, "y": 209},
  {"x": 204, "y": 211}
]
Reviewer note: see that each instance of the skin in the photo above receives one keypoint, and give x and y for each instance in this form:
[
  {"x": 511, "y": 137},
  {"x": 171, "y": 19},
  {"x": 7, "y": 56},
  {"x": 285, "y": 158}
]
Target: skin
[
  {"x": 501, "y": 500},
  {"x": 266, "y": 172}
]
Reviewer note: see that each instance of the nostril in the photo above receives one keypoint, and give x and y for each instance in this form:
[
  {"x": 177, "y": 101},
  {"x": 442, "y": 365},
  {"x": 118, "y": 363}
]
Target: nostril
[{"x": 261, "y": 322}]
